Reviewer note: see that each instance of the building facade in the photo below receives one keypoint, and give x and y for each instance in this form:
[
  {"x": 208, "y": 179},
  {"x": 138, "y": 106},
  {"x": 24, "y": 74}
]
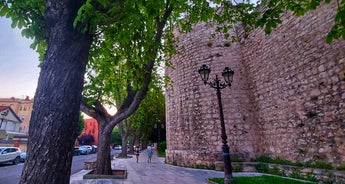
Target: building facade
[
  {"x": 22, "y": 107},
  {"x": 287, "y": 99},
  {"x": 10, "y": 125},
  {"x": 91, "y": 128}
]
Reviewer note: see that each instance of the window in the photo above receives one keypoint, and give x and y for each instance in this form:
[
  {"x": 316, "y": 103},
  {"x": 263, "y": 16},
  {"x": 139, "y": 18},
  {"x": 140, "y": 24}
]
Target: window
[
  {"x": 7, "y": 150},
  {"x": 11, "y": 126},
  {"x": 3, "y": 125}
]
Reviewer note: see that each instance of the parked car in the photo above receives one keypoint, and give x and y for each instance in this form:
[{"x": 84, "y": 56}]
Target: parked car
[
  {"x": 23, "y": 156},
  {"x": 76, "y": 151},
  {"x": 94, "y": 149},
  {"x": 117, "y": 147},
  {"x": 10, "y": 154},
  {"x": 85, "y": 149}
]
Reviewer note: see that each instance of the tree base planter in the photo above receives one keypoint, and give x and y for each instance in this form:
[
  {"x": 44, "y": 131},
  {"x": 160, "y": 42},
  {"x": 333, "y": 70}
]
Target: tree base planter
[{"x": 117, "y": 174}]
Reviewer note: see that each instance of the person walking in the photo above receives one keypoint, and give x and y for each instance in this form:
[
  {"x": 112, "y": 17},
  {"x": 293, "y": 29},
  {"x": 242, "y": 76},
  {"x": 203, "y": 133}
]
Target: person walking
[
  {"x": 149, "y": 154},
  {"x": 137, "y": 153}
]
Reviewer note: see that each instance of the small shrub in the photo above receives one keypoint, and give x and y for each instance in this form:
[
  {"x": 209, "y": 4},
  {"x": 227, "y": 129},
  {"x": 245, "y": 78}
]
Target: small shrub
[
  {"x": 263, "y": 158},
  {"x": 311, "y": 178},
  {"x": 211, "y": 167},
  {"x": 261, "y": 167},
  {"x": 278, "y": 160},
  {"x": 296, "y": 174},
  {"x": 200, "y": 166},
  {"x": 275, "y": 171},
  {"x": 319, "y": 164},
  {"x": 341, "y": 167},
  {"x": 161, "y": 149},
  {"x": 237, "y": 169},
  {"x": 236, "y": 159}
]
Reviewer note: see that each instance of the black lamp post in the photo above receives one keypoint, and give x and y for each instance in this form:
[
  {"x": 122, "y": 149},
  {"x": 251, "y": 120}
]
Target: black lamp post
[{"x": 227, "y": 73}]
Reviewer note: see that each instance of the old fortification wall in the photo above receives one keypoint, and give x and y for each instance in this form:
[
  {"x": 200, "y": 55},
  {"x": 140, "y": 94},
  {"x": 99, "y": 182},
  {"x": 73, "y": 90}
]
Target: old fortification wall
[{"x": 287, "y": 98}]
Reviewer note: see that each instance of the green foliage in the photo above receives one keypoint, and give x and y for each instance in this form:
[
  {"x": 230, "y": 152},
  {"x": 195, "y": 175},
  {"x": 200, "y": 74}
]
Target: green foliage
[
  {"x": 262, "y": 168},
  {"x": 80, "y": 126},
  {"x": 296, "y": 174},
  {"x": 278, "y": 160},
  {"x": 263, "y": 158},
  {"x": 150, "y": 112},
  {"x": 319, "y": 164},
  {"x": 257, "y": 179},
  {"x": 29, "y": 17},
  {"x": 204, "y": 167},
  {"x": 275, "y": 171},
  {"x": 237, "y": 169},
  {"x": 116, "y": 136},
  {"x": 271, "y": 17},
  {"x": 236, "y": 159},
  {"x": 341, "y": 167},
  {"x": 161, "y": 148}
]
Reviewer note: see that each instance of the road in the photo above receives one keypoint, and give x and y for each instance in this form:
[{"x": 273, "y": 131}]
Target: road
[{"x": 10, "y": 174}]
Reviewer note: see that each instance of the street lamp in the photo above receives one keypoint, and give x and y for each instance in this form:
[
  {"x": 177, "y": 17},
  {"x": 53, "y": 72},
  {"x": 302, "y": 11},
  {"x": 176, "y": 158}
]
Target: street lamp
[
  {"x": 3, "y": 115},
  {"x": 228, "y": 74}
]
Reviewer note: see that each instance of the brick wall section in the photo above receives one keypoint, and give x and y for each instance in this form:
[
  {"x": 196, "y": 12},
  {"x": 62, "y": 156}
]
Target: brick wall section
[{"x": 287, "y": 98}]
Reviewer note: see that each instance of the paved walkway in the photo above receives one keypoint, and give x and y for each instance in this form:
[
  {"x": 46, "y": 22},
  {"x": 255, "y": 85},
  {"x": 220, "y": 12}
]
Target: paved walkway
[{"x": 156, "y": 172}]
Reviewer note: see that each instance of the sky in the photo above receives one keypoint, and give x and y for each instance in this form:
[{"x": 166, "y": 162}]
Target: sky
[{"x": 19, "y": 69}]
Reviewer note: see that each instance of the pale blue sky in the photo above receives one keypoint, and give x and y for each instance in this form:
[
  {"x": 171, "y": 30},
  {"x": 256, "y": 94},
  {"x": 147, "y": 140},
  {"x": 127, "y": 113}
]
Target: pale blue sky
[{"x": 18, "y": 63}]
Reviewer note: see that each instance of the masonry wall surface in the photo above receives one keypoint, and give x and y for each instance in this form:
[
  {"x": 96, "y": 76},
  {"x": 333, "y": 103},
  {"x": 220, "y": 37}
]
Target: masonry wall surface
[
  {"x": 193, "y": 122},
  {"x": 287, "y": 98},
  {"x": 298, "y": 83}
]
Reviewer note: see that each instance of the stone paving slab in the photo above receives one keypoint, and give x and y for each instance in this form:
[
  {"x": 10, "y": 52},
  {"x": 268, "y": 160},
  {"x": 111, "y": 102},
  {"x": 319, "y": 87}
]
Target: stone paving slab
[{"x": 156, "y": 172}]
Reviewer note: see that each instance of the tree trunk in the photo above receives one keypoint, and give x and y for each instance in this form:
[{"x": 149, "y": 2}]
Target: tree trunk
[
  {"x": 57, "y": 100},
  {"x": 123, "y": 153},
  {"x": 124, "y": 131},
  {"x": 103, "y": 153}
]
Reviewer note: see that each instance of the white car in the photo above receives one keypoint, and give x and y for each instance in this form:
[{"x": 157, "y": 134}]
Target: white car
[
  {"x": 85, "y": 149},
  {"x": 10, "y": 154},
  {"x": 23, "y": 156}
]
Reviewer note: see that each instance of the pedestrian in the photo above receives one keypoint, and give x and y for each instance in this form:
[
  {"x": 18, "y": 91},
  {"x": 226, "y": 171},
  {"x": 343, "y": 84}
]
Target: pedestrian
[
  {"x": 149, "y": 153},
  {"x": 137, "y": 153}
]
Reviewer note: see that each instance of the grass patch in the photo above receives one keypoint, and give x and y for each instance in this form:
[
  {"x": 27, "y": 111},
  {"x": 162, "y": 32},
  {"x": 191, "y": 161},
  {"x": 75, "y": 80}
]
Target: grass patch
[{"x": 258, "y": 180}]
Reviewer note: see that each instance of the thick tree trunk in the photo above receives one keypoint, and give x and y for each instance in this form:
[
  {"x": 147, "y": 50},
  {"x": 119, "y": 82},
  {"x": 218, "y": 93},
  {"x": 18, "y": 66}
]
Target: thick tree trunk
[
  {"x": 57, "y": 100},
  {"x": 103, "y": 153}
]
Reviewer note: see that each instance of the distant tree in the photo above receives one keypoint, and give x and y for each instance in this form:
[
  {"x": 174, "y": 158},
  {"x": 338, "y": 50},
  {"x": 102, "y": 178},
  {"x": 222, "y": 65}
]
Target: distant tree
[
  {"x": 80, "y": 125},
  {"x": 86, "y": 139},
  {"x": 116, "y": 136}
]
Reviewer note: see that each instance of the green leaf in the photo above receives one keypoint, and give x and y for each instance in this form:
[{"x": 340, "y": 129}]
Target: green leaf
[{"x": 3, "y": 10}]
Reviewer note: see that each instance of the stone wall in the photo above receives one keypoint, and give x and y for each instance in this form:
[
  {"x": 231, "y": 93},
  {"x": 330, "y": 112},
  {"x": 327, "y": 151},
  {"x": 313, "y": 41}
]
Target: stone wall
[
  {"x": 287, "y": 98},
  {"x": 299, "y": 88},
  {"x": 193, "y": 123}
]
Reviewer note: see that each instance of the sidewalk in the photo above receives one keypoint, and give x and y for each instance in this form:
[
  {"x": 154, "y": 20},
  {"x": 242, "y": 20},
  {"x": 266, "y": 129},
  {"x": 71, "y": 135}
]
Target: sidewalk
[{"x": 156, "y": 172}]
